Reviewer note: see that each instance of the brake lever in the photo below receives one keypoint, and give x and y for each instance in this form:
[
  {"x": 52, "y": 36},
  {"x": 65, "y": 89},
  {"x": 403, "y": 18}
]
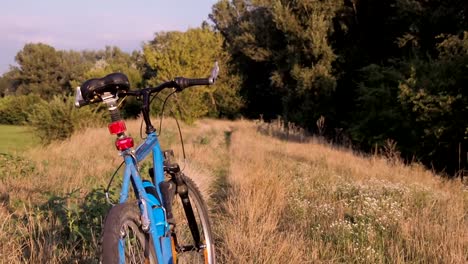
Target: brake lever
[
  {"x": 79, "y": 102},
  {"x": 214, "y": 73}
]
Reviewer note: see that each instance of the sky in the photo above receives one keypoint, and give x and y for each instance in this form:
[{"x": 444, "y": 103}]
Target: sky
[{"x": 92, "y": 24}]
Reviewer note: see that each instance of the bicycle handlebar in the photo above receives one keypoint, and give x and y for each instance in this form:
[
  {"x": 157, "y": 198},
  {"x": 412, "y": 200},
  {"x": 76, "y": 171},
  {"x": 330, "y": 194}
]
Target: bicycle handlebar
[
  {"x": 179, "y": 83},
  {"x": 183, "y": 83}
]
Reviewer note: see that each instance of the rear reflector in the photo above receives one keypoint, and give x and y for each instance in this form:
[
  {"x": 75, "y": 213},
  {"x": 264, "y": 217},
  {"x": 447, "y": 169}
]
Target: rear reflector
[
  {"x": 124, "y": 143},
  {"x": 117, "y": 127}
]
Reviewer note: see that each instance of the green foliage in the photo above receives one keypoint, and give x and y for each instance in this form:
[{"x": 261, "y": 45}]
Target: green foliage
[
  {"x": 420, "y": 103},
  {"x": 282, "y": 49},
  {"x": 13, "y": 166},
  {"x": 58, "y": 118},
  {"x": 379, "y": 115},
  {"x": 38, "y": 70},
  {"x": 191, "y": 54},
  {"x": 435, "y": 93},
  {"x": 4, "y": 85},
  {"x": 81, "y": 218},
  {"x": 14, "y": 110},
  {"x": 377, "y": 70},
  {"x": 46, "y": 72}
]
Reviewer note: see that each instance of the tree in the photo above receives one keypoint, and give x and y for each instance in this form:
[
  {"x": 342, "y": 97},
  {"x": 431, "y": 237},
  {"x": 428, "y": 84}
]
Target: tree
[
  {"x": 420, "y": 103},
  {"x": 4, "y": 85},
  {"x": 192, "y": 54},
  {"x": 378, "y": 114},
  {"x": 378, "y": 69},
  {"x": 282, "y": 49},
  {"x": 435, "y": 92},
  {"x": 46, "y": 72},
  {"x": 38, "y": 72}
]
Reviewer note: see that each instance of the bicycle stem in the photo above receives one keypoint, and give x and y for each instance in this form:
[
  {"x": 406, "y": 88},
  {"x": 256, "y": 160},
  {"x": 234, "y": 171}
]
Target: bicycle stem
[{"x": 145, "y": 111}]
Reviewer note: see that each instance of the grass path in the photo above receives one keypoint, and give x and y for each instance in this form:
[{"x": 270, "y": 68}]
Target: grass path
[
  {"x": 289, "y": 202},
  {"x": 271, "y": 200}
]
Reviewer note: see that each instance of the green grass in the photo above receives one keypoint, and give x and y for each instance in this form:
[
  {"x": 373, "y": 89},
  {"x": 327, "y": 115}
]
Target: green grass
[{"x": 16, "y": 138}]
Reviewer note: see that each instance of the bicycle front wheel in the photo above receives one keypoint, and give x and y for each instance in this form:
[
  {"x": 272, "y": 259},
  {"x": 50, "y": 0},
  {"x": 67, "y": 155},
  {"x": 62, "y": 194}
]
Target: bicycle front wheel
[
  {"x": 124, "y": 239},
  {"x": 192, "y": 234}
]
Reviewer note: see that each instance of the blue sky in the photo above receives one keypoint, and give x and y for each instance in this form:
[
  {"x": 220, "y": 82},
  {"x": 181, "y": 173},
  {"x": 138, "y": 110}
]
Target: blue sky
[{"x": 88, "y": 24}]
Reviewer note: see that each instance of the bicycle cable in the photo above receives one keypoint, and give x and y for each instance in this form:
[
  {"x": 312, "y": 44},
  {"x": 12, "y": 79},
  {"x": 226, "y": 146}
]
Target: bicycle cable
[
  {"x": 181, "y": 139},
  {"x": 177, "y": 122},
  {"x": 110, "y": 182},
  {"x": 161, "y": 116}
]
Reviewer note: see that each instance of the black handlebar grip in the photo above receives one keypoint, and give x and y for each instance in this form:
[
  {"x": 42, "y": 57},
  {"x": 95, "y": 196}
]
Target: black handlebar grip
[
  {"x": 204, "y": 81},
  {"x": 182, "y": 83}
]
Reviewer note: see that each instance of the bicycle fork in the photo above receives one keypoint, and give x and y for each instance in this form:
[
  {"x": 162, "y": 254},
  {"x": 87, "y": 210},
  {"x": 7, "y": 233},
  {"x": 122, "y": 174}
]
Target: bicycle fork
[
  {"x": 168, "y": 193},
  {"x": 182, "y": 190}
]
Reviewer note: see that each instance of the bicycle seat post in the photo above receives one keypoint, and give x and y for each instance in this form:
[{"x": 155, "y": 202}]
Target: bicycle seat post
[
  {"x": 117, "y": 127},
  {"x": 111, "y": 101}
]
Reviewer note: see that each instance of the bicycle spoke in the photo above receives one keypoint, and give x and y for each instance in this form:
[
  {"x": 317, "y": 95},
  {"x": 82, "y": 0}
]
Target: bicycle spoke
[{"x": 134, "y": 250}]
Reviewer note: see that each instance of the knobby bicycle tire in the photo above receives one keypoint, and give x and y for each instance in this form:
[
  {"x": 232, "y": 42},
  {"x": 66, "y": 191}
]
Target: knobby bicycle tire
[
  {"x": 123, "y": 221},
  {"x": 126, "y": 217},
  {"x": 183, "y": 236}
]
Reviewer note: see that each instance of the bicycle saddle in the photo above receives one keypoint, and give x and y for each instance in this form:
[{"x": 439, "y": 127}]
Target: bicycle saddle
[{"x": 93, "y": 89}]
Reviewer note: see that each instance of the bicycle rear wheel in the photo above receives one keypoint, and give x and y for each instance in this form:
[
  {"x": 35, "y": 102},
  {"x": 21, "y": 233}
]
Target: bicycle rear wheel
[
  {"x": 124, "y": 238},
  {"x": 188, "y": 250}
]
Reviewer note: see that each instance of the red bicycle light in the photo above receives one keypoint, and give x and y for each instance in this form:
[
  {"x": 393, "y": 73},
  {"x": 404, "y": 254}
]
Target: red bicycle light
[
  {"x": 117, "y": 127},
  {"x": 124, "y": 143}
]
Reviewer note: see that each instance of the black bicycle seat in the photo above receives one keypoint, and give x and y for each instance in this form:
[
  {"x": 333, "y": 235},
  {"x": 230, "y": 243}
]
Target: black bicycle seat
[{"x": 93, "y": 89}]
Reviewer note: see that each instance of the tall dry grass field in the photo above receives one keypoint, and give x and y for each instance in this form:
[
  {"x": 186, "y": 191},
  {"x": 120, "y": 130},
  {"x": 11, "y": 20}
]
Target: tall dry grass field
[{"x": 271, "y": 200}]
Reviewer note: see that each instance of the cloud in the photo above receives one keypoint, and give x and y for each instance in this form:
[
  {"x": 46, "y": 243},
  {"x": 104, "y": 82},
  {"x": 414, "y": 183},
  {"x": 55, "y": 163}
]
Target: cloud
[
  {"x": 89, "y": 33},
  {"x": 92, "y": 32}
]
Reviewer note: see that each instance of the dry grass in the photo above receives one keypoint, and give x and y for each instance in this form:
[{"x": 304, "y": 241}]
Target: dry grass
[
  {"x": 252, "y": 229},
  {"x": 272, "y": 201},
  {"x": 354, "y": 209}
]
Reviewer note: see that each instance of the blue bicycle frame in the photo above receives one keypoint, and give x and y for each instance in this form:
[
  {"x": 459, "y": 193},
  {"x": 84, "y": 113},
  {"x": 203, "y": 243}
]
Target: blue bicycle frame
[{"x": 151, "y": 207}]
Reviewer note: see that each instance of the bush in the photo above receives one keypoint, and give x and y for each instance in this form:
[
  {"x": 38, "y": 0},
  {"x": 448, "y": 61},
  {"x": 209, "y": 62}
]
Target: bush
[
  {"x": 14, "y": 110},
  {"x": 58, "y": 119}
]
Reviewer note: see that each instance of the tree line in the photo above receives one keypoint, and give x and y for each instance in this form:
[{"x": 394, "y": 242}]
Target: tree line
[{"x": 375, "y": 71}]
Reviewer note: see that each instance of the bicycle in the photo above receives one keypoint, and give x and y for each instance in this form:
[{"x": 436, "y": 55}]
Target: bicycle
[{"x": 156, "y": 227}]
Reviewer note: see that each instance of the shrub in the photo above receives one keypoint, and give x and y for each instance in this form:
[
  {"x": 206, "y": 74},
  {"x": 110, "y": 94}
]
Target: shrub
[
  {"x": 14, "y": 110},
  {"x": 58, "y": 119}
]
